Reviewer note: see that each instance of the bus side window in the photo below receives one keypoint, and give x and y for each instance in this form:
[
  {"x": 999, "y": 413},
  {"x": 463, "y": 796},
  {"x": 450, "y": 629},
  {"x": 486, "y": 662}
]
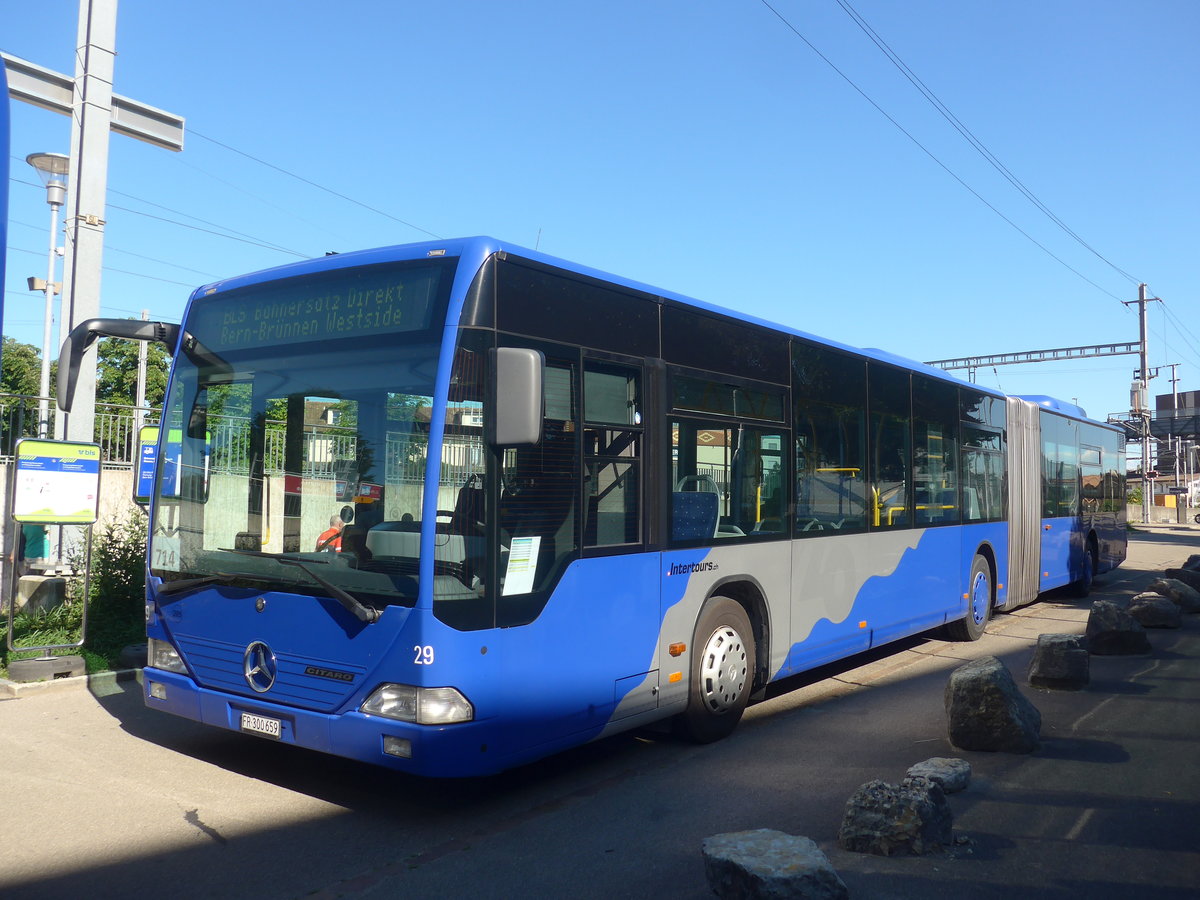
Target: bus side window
[
  {"x": 935, "y": 451},
  {"x": 829, "y": 393},
  {"x": 890, "y": 445},
  {"x": 740, "y": 467},
  {"x": 612, "y": 436}
]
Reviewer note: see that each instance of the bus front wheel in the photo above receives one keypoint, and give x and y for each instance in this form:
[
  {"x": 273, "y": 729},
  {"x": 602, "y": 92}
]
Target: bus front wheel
[
  {"x": 979, "y": 603},
  {"x": 722, "y": 671}
]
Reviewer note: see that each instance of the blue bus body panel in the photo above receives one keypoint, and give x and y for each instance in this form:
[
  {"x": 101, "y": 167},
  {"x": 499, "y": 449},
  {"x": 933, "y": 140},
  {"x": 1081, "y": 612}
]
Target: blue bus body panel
[
  {"x": 544, "y": 687},
  {"x": 1112, "y": 538},
  {"x": 212, "y": 630},
  {"x": 1062, "y": 550},
  {"x": 534, "y": 689},
  {"x": 992, "y": 539},
  {"x": 918, "y": 583}
]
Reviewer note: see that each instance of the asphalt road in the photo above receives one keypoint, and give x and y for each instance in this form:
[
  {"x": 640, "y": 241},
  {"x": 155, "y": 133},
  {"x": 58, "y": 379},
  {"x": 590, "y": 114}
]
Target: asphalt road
[{"x": 102, "y": 798}]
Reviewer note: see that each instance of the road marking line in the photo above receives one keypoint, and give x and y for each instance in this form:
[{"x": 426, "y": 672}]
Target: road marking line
[{"x": 1080, "y": 824}]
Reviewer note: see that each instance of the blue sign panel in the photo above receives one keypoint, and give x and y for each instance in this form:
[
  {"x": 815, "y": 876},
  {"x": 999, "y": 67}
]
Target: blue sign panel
[{"x": 143, "y": 484}]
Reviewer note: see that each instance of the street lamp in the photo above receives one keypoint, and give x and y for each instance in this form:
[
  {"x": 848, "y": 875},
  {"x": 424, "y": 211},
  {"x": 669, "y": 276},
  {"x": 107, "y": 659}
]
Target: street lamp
[{"x": 52, "y": 169}]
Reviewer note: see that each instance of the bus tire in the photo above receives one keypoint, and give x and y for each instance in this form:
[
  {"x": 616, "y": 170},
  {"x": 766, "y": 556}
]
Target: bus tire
[
  {"x": 1083, "y": 586},
  {"x": 979, "y": 603},
  {"x": 722, "y": 672}
]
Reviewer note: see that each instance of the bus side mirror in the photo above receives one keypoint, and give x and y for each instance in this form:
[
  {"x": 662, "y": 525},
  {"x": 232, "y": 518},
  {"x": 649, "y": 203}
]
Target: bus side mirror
[
  {"x": 517, "y": 407},
  {"x": 85, "y": 334}
]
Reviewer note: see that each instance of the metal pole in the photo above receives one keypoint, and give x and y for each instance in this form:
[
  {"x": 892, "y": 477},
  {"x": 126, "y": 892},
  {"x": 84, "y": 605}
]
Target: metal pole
[
  {"x": 92, "y": 103},
  {"x": 1144, "y": 378},
  {"x": 140, "y": 401},
  {"x": 44, "y": 382}
]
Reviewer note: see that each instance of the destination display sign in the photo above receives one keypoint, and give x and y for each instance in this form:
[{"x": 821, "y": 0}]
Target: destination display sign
[{"x": 332, "y": 305}]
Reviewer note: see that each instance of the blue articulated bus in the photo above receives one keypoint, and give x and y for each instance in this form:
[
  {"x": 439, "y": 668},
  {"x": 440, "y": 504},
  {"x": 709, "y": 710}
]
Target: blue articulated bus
[{"x": 452, "y": 507}]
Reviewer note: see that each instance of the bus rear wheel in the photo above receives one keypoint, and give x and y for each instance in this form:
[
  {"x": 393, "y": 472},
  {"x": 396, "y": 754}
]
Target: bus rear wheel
[
  {"x": 722, "y": 672},
  {"x": 1083, "y": 586},
  {"x": 979, "y": 603}
]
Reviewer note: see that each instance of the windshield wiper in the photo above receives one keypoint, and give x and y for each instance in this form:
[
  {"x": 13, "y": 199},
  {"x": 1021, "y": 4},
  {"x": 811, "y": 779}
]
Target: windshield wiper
[
  {"x": 187, "y": 584},
  {"x": 351, "y": 603}
]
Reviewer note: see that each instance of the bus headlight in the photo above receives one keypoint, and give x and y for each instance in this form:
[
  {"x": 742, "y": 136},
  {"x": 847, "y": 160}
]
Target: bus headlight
[
  {"x": 421, "y": 705},
  {"x": 162, "y": 655}
]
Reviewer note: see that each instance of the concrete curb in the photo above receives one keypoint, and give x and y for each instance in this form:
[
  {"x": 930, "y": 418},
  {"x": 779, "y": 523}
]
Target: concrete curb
[{"x": 99, "y": 683}]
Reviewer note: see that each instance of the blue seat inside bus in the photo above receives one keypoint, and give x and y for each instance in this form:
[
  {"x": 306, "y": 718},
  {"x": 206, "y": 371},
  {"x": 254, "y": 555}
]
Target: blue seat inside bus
[{"x": 693, "y": 515}]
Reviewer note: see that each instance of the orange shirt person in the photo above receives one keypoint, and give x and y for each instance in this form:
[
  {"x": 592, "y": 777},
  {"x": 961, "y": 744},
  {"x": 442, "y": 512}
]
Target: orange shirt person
[{"x": 331, "y": 538}]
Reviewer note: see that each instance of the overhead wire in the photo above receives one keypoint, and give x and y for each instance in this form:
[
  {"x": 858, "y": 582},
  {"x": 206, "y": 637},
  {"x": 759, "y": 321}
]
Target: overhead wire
[
  {"x": 230, "y": 237},
  {"x": 42, "y": 254},
  {"x": 263, "y": 200},
  {"x": 225, "y": 232},
  {"x": 311, "y": 183},
  {"x": 970, "y": 137},
  {"x": 109, "y": 248},
  {"x": 224, "y": 228},
  {"x": 1180, "y": 326},
  {"x": 930, "y": 153}
]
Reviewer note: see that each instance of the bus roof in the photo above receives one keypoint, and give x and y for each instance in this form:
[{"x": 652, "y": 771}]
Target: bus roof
[{"x": 475, "y": 250}]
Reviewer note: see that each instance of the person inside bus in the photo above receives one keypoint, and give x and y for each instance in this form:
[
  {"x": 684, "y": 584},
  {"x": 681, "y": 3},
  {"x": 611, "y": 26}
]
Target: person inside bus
[{"x": 331, "y": 538}]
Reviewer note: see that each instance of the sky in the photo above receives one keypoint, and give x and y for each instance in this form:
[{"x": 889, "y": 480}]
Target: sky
[{"x": 765, "y": 158}]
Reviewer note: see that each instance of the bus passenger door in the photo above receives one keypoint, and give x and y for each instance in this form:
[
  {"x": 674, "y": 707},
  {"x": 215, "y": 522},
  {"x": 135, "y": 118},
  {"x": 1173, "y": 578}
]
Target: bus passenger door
[
  {"x": 614, "y": 529},
  {"x": 1061, "y": 542}
]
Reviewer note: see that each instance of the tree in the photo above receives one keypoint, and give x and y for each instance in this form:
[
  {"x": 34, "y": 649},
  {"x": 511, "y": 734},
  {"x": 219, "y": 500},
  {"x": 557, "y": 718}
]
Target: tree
[
  {"x": 117, "y": 371},
  {"x": 21, "y": 369}
]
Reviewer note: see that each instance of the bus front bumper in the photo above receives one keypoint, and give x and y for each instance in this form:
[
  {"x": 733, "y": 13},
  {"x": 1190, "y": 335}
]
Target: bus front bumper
[{"x": 438, "y": 751}]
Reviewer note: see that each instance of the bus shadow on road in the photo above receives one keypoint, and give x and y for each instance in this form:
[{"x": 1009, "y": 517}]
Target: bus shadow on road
[{"x": 358, "y": 785}]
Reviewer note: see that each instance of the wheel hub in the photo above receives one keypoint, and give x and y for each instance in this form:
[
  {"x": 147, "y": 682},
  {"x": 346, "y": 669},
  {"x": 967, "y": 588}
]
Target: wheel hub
[
  {"x": 723, "y": 670},
  {"x": 981, "y": 596}
]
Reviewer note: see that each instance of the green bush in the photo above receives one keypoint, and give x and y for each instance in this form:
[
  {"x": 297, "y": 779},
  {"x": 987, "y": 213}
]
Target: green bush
[{"x": 116, "y": 606}]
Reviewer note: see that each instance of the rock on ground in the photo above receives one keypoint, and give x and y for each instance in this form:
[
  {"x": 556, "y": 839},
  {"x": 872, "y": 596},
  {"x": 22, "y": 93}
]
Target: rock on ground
[
  {"x": 1111, "y": 631},
  {"x": 1190, "y": 577},
  {"x": 769, "y": 864},
  {"x": 952, "y": 774},
  {"x": 1187, "y": 598},
  {"x": 1061, "y": 661},
  {"x": 1155, "y": 611},
  {"x": 986, "y": 711},
  {"x": 912, "y": 818}
]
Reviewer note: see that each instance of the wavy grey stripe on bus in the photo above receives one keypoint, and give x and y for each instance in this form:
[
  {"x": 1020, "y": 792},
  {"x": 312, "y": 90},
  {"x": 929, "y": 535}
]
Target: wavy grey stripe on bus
[{"x": 1024, "y": 501}]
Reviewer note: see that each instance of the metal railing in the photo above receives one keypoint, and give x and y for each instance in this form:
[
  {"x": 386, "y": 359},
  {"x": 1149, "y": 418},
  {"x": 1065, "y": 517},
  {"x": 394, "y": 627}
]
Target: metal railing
[
  {"x": 116, "y": 426},
  {"x": 327, "y": 450}
]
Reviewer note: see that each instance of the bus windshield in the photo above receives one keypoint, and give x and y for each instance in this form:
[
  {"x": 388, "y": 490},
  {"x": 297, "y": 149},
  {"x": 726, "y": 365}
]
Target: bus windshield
[{"x": 298, "y": 417}]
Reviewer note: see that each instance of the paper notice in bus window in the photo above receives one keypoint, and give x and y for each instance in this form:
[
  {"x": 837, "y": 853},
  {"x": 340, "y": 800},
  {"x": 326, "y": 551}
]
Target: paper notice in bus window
[{"x": 522, "y": 563}]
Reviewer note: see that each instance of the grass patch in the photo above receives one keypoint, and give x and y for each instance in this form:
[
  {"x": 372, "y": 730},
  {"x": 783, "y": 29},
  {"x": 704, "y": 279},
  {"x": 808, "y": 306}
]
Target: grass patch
[{"x": 116, "y": 607}]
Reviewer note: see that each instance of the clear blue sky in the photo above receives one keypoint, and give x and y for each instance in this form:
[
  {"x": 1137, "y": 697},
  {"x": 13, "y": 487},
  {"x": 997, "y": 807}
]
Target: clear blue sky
[{"x": 702, "y": 147}]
